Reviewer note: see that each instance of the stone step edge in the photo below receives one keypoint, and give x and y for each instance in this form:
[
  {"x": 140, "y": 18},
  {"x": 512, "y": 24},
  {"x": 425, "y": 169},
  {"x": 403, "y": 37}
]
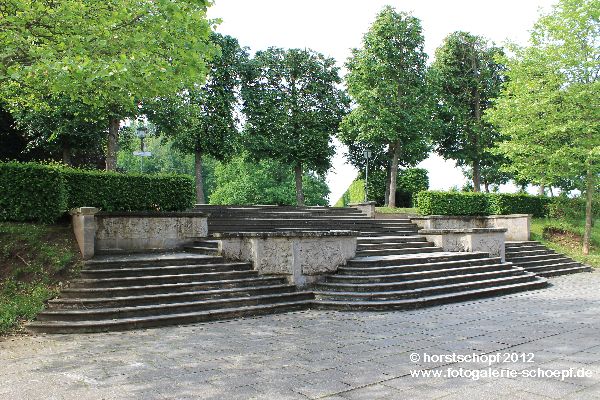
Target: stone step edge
[
  {"x": 427, "y": 288},
  {"x": 167, "y": 267},
  {"x": 465, "y": 268},
  {"x": 444, "y": 263},
  {"x": 84, "y": 300},
  {"x": 161, "y": 320},
  {"x": 538, "y": 283},
  {"x": 84, "y": 281},
  {"x": 166, "y": 306}
]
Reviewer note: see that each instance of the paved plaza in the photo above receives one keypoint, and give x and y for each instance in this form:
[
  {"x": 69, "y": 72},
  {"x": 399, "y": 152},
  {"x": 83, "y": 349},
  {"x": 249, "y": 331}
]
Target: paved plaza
[{"x": 543, "y": 344}]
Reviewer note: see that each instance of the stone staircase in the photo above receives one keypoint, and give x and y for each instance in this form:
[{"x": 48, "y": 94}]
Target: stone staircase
[
  {"x": 149, "y": 290},
  {"x": 542, "y": 261},
  {"x": 394, "y": 268}
]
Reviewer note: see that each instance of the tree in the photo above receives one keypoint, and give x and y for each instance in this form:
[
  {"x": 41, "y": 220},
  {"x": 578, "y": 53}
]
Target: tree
[
  {"x": 203, "y": 119},
  {"x": 466, "y": 78},
  {"x": 293, "y": 107},
  {"x": 242, "y": 182},
  {"x": 386, "y": 79},
  {"x": 549, "y": 108},
  {"x": 108, "y": 56}
]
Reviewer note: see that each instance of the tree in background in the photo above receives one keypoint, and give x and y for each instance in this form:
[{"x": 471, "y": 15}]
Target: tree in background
[
  {"x": 466, "y": 78},
  {"x": 203, "y": 119},
  {"x": 293, "y": 107},
  {"x": 386, "y": 79},
  {"x": 549, "y": 109},
  {"x": 243, "y": 182},
  {"x": 107, "y": 56}
]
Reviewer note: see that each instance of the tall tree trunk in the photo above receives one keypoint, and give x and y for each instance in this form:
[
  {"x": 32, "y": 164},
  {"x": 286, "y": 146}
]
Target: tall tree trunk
[
  {"x": 394, "y": 175},
  {"x": 387, "y": 187},
  {"x": 541, "y": 190},
  {"x": 486, "y": 186},
  {"x": 111, "y": 145},
  {"x": 591, "y": 185},
  {"x": 476, "y": 176},
  {"x": 199, "y": 180},
  {"x": 551, "y": 192},
  {"x": 299, "y": 191},
  {"x": 66, "y": 155}
]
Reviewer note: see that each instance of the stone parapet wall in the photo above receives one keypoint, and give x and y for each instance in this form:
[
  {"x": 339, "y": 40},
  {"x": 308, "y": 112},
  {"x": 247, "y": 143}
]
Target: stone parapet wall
[
  {"x": 518, "y": 226},
  {"x": 488, "y": 240},
  {"x": 98, "y": 232},
  {"x": 301, "y": 256}
]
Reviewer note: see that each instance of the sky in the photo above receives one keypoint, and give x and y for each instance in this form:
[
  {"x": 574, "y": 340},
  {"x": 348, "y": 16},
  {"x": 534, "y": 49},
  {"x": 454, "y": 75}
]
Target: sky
[{"x": 333, "y": 27}]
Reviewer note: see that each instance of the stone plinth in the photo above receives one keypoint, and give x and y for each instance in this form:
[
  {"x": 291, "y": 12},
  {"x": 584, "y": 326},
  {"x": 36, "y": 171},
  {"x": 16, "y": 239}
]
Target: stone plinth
[
  {"x": 517, "y": 226},
  {"x": 488, "y": 240},
  {"x": 301, "y": 256},
  {"x": 139, "y": 231},
  {"x": 368, "y": 208}
]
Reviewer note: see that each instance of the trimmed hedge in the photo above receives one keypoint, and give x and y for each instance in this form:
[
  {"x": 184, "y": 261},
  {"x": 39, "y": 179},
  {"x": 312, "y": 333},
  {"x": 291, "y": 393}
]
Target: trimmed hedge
[
  {"x": 518, "y": 203},
  {"x": 468, "y": 203},
  {"x": 35, "y": 192},
  {"x": 563, "y": 207},
  {"x": 31, "y": 192},
  {"x": 112, "y": 191},
  {"x": 452, "y": 203}
]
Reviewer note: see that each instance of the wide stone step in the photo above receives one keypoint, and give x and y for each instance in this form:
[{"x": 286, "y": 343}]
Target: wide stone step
[
  {"x": 564, "y": 271},
  {"x": 557, "y": 259},
  {"x": 170, "y": 308},
  {"x": 411, "y": 273},
  {"x": 162, "y": 279},
  {"x": 392, "y": 251},
  {"x": 166, "y": 270},
  {"x": 553, "y": 266},
  {"x": 425, "y": 301},
  {"x": 391, "y": 282},
  {"x": 389, "y": 239},
  {"x": 523, "y": 253},
  {"x": 525, "y": 248},
  {"x": 202, "y": 249},
  {"x": 385, "y": 246},
  {"x": 422, "y": 258},
  {"x": 164, "y": 320},
  {"x": 535, "y": 257},
  {"x": 151, "y": 259},
  {"x": 107, "y": 302},
  {"x": 478, "y": 281},
  {"x": 137, "y": 290}
]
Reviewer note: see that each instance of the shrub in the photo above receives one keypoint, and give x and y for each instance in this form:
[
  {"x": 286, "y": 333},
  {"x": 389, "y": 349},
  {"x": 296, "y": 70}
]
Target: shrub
[
  {"x": 113, "y": 191},
  {"x": 31, "y": 192},
  {"x": 452, "y": 203},
  {"x": 356, "y": 192},
  {"x": 518, "y": 203},
  {"x": 563, "y": 207}
]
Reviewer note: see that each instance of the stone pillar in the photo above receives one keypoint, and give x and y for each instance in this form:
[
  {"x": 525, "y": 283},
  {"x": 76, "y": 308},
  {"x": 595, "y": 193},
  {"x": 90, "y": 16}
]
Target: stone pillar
[
  {"x": 368, "y": 207},
  {"x": 84, "y": 227}
]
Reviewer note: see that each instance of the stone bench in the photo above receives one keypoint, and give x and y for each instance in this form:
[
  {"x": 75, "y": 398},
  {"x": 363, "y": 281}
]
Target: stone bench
[
  {"x": 301, "y": 256},
  {"x": 98, "y": 232},
  {"x": 517, "y": 226},
  {"x": 488, "y": 240}
]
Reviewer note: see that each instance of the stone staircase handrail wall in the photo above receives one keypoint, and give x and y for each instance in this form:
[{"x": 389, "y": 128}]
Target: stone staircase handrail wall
[
  {"x": 518, "y": 226},
  {"x": 301, "y": 256},
  {"x": 489, "y": 240}
]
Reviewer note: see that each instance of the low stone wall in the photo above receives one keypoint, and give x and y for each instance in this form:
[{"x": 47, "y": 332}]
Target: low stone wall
[
  {"x": 367, "y": 208},
  {"x": 301, "y": 256},
  {"x": 518, "y": 226},
  {"x": 130, "y": 232},
  {"x": 489, "y": 240}
]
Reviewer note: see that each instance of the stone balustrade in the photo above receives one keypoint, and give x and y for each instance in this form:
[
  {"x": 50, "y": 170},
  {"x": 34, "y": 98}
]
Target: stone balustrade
[
  {"x": 518, "y": 226},
  {"x": 98, "y": 232},
  {"x": 301, "y": 256},
  {"x": 488, "y": 240}
]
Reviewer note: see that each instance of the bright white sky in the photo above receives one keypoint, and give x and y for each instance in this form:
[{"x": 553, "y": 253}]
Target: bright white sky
[{"x": 333, "y": 27}]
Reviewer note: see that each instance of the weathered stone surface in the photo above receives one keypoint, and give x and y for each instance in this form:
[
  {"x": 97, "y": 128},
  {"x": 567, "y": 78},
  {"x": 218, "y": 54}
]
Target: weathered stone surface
[
  {"x": 300, "y": 256},
  {"x": 489, "y": 240},
  {"x": 517, "y": 226},
  {"x": 84, "y": 227},
  {"x": 368, "y": 208}
]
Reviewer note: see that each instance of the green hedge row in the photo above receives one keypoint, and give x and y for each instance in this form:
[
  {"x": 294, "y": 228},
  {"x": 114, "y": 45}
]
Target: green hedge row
[
  {"x": 31, "y": 192},
  {"x": 467, "y": 203},
  {"x": 43, "y": 193}
]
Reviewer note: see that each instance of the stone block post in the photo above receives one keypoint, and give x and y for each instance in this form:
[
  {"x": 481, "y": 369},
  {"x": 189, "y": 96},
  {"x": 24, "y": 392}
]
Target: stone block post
[
  {"x": 368, "y": 208},
  {"x": 84, "y": 227}
]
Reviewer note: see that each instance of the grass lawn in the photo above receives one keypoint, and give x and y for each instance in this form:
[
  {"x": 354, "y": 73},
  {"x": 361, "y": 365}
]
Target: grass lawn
[
  {"x": 565, "y": 237},
  {"x": 35, "y": 262},
  {"x": 394, "y": 210}
]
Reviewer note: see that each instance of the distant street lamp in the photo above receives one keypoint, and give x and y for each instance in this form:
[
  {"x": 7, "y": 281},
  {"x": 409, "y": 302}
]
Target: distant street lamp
[
  {"x": 367, "y": 155},
  {"x": 141, "y": 132}
]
